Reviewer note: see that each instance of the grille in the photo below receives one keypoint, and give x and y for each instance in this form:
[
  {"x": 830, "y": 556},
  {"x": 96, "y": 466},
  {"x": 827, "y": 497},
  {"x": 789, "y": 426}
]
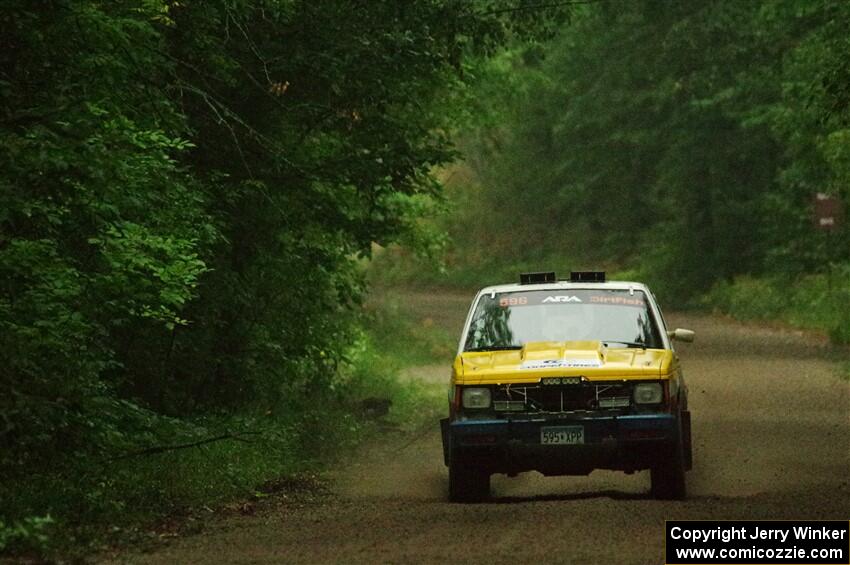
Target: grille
[{"x": 561, "y": 398}]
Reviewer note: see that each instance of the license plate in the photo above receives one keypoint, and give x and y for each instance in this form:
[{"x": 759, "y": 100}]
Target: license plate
[{"x": 562, "y": 435}]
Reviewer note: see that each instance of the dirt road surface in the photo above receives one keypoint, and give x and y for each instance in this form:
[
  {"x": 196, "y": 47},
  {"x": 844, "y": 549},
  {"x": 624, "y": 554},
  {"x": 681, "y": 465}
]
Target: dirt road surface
[{"x": 771, "y": 424}]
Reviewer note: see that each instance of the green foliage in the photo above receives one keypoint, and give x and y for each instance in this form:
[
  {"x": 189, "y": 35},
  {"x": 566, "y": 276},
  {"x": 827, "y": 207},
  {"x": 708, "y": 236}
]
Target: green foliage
[
  {"x": 467, "y": 269},
  {"x": 403, "y": 335},
  {"x": 99, "y": 238},
  {"x": 748, "y": 299},
  {"x": 105, "y": 500},
  {"x": 187, "y": 193},
  {"x": 93, "y": 500},
  {"x": 397, "y": 335},
  {"x": 29, "y": 532},
  {"x": 683, "y": 141},
  {"x": 817, "y": 302}
]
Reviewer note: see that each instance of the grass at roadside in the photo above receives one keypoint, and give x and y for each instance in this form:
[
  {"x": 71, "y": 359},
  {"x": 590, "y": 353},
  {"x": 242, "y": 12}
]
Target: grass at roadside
[
  {"x": 404, "y": 331},
  {"x": 406, "y": 334},
  {"x": 815, "y": 302},
  {"x": 89, "y": 505}
]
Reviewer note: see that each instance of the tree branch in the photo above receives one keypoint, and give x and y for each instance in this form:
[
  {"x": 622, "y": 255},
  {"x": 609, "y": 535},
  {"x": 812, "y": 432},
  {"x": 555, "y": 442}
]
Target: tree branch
[
  {"x": 542, "y": 6},
  {"x": 165, "y": 448}
]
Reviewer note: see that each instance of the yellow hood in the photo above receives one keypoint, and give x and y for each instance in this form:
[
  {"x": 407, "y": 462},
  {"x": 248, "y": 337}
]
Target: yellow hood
[{"x": 535, "y": 360}]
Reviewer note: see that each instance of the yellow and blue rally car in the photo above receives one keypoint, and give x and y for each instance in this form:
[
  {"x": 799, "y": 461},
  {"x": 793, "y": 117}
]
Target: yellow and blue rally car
[{"x": 564, "y": 377}]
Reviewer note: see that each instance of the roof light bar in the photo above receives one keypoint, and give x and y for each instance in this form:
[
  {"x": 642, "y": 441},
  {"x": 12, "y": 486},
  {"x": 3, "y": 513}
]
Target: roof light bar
[
  {"x": 587, "y": 276},
  {"x": 537, "y": 278}
]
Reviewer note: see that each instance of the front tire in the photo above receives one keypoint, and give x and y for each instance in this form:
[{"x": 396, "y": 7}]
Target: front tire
[
  {"x": 668, "y": 475},
  {"x": 688, "y": 441},
  {"x": 467, "y": 482}
]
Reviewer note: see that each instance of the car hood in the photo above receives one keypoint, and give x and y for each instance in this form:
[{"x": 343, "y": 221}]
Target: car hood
[{"x": 590, "y": 359}]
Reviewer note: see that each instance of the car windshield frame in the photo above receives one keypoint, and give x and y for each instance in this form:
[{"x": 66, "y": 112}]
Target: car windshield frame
[{"x": 656, "y": 338}]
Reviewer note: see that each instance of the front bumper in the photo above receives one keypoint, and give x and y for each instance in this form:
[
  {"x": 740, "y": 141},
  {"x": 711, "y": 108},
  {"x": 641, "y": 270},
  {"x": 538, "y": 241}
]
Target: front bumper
[{"x": 624, "y": 442}]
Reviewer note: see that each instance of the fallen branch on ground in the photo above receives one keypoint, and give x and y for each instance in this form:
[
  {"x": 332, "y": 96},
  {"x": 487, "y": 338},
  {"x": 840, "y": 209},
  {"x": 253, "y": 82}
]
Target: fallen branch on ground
[{"x": 164, "y": 448}]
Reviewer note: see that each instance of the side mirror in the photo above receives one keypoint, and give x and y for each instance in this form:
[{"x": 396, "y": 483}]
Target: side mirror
[{"x": 681, "y": 335}]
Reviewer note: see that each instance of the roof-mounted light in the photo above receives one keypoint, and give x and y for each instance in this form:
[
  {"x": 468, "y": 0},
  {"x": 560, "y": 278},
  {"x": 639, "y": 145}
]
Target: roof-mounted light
[
  {"x": 587, "y": 276},
  {"x": 537, "y": 278}
]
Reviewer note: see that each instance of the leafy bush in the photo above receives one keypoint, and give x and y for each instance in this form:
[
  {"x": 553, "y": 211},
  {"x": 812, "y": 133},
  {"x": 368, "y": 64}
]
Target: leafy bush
[
  {"x": 748, "y": 298},
  {"x": 816, "y": 302},
  {"x": 29, "y": 532},
  {"x": 183, "y": 219}
]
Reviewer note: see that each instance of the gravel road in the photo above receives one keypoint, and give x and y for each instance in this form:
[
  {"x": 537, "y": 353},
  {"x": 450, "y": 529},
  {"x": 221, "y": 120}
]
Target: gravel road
[{"x": 771, "y": 424}]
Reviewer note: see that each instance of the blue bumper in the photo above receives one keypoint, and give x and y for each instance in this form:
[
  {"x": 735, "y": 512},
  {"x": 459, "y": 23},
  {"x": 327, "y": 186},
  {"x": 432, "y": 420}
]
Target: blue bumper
[{"x": 623, "y": 442}]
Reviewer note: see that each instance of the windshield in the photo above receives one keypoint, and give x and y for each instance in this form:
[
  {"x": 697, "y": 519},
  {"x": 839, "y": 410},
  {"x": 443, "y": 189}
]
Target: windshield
[{"x": 619, "y": 318}]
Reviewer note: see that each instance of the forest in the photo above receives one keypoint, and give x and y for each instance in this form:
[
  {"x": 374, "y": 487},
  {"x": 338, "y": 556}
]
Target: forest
[
  {"x": 192, "y": 193},
  {"x": 679, "y": 143}
]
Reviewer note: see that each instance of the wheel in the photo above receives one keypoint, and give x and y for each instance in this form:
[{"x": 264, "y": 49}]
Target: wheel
[
  {"x": 467, "y": 483},
  {"x": 668, "y": 475},
  {"x": 687, "y": 441}
]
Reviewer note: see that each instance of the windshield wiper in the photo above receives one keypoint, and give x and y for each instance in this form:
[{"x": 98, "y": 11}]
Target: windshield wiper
[
  {"x": 626, "y": 343},
  {"x": 496, "y": 348}
]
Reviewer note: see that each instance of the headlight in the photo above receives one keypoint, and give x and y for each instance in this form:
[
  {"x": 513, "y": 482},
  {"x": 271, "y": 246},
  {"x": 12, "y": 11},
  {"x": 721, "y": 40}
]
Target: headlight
[
  {"x": 476, "y": 397},
  {"x": 648, "y": 393}
]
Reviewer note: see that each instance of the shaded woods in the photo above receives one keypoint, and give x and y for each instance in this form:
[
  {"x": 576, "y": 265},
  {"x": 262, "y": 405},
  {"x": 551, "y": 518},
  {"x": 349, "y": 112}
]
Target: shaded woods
[
  {"x": 186, "y": 191},
  {"x": 680, "y": 143}
]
